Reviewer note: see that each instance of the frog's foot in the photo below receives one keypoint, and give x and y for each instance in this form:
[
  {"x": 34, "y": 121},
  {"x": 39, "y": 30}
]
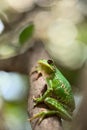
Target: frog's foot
[
  {"x": 42, "y": 115},
  {"x": 37, "y": 100}
]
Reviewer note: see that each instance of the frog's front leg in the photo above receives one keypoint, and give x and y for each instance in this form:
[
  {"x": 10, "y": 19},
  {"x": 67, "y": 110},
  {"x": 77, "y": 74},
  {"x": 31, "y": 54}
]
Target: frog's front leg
[
  {"x": 59, "y": 108},
  {"x": 47, "y": 93}
]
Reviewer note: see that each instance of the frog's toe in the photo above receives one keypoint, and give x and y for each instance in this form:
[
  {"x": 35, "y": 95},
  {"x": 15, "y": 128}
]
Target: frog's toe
[
  {"x": 41, "y": 118},
  {"x": 34, "y": 98},
  {"x": 37, "y": 100},
  {"x": 40, "y": 115}
]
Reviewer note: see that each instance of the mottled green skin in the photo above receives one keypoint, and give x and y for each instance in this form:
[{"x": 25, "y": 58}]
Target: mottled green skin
[{"x": 58, "y": 96}]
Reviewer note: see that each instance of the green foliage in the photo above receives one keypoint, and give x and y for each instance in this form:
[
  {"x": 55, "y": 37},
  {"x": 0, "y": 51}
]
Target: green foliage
[
  {"x": 82, "y": 32},
  {"x": 26, "y": 34}
]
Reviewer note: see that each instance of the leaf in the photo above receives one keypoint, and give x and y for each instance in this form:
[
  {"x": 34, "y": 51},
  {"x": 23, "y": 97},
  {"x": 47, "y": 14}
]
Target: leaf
[
  {"x": 26, "y": 34},
  {"x": 82, "y": 32}
]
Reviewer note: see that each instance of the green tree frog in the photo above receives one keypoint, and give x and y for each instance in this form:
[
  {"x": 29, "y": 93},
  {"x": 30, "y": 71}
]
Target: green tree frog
[{"x": 58, "y": 96}]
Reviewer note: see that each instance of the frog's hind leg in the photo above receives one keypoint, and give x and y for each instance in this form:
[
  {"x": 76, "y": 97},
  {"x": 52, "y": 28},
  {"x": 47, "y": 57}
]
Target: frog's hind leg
[
  {"x": 59, "y": 108},
  {"x": 56, "y": 109}
]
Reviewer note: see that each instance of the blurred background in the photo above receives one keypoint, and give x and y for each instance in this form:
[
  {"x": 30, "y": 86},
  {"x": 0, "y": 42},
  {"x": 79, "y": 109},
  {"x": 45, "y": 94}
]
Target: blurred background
[{"x": 61, "y": 25}]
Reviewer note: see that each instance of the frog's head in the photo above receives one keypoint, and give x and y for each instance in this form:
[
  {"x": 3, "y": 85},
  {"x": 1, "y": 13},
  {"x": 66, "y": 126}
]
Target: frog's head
[{"x": 46, "y": 65}]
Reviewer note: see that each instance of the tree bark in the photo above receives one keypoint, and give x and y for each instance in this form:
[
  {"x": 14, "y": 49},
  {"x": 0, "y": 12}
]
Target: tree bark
[{"x": 17, "y": 63}]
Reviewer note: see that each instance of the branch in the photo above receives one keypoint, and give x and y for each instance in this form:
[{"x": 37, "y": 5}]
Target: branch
[
  {"x": 17, "y": 63},
  {"x": 50, "y": 123}
]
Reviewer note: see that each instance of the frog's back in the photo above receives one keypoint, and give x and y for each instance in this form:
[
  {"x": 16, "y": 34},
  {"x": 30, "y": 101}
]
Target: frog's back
[{"x": 63, "y": 90}]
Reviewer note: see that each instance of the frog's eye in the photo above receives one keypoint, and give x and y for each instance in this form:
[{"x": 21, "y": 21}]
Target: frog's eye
[{"x": 50, "y": 62}]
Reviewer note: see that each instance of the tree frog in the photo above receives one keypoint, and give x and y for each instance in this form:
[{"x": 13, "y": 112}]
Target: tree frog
[{"x": 58, "y": 96}]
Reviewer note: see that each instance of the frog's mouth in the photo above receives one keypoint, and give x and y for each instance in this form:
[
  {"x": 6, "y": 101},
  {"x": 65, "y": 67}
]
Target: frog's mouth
[{"x": 45, "y": 66}]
